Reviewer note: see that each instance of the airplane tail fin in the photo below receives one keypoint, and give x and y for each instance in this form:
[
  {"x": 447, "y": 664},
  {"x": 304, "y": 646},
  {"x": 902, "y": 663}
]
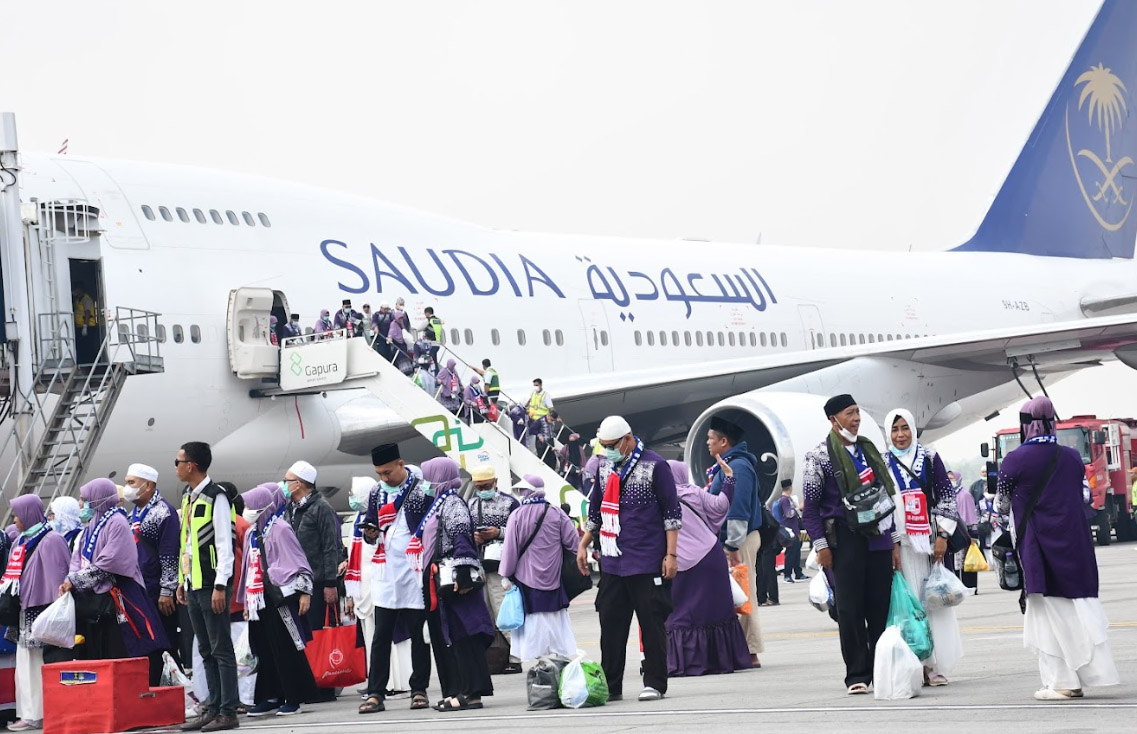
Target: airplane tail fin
[{"x": 1073, "y": 190}]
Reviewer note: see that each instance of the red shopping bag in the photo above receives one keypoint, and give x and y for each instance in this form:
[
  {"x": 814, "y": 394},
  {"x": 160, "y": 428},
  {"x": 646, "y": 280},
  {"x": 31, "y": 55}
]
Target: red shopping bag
[{"x": 335, "y": 660}]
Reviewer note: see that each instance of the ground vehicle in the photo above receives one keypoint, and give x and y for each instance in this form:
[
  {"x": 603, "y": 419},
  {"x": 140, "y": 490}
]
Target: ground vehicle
[{"x": 1109, "y": 452}]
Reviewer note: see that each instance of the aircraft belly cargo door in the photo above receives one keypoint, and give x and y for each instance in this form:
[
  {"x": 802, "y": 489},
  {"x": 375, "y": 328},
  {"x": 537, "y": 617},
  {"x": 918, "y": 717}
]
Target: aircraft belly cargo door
[
  {"x": 598, "y": 341},
  {"x": 251, "y": 352}
]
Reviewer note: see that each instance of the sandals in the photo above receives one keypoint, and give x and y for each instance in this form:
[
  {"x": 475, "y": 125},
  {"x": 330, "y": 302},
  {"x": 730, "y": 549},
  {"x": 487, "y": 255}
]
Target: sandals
[
  {"x": 463, "y": 704},
  {"x": 419, "y": 701},
  {"x": 858, "y": 688},
  {"x": 372, "y": 705}
]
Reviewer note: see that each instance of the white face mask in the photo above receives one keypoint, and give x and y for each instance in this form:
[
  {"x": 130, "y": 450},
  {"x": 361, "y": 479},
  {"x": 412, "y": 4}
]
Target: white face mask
[
  {"x": 845, "y": 433},
  {"x": 251, "y": 515},
  {"x": 130, "y": 494}
]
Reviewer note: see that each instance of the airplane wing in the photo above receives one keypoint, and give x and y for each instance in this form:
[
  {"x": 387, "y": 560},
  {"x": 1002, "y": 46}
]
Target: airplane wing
[{"x": 1056, "y": 347}]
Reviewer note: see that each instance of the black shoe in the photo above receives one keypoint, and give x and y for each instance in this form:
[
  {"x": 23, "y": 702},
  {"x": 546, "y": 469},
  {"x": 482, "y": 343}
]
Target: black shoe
[
  {"x": 803, "y": 577},
  {"x": 615, "y": 696},
  {"x": 196, "y": 723},
  {"x": 223, "y": 722}
]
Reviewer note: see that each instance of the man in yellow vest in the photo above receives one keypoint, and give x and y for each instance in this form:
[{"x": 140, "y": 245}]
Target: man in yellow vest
[
  {"x": 538, "y": 405},
  {"x": 205, "y": 583}
]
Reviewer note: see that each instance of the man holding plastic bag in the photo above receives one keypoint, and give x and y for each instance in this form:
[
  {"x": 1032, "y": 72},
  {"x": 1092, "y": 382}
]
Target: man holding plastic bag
[{"x": 848, "y": 515}]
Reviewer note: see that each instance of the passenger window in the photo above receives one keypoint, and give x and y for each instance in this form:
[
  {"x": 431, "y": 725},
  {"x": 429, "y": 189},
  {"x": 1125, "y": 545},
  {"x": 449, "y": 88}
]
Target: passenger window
[
  {"x": 722, "y": 340},
  {"x": 199, "y": 215},
  {"x": 843, "y": 340},
  {"x": 862, "y": 338},
  {"x": 495, "y": 336},
  {"x": 148, "y": 212},
  {"x": 880, "y": 337},
  {"x": 123, "y": 334},
  {"x": 232, "y": 217},
  {"x": 521, "y": 337},
  {"x": 870, "y": 338},
  {"x": 785, "y": 341},
  {"x": 165, "y": 214},
  {"x": 762, "y": 338},
  {"x": 264, "y": 219},
  {"x": 183, "y": 215},
  {"x": 730, "y": 334},
  {"x": 639, "y": 339},
  {"x": 663, "y": 338},
  {"x": 454, "y": 337},
  {"x": 216, "y": 216},
  {"x": 675, "y": 338},
  {"x": 143, "y": 332},
  {"x": 603, "y": 338},
  {"x": 687, "y": 338},
  {"x": 248, "y": 219},
  {"x": 546, "y": 337},
  {"x": 890, "y": 337},
  {"x": 469, "y": 334},
  {"x": 753, "y": 340},
  {"x": 161, "y": 334},
  {"x": 179, "y": 335},
  {"x": 698, "y": 338},
  {"x": 560, "y": 338},
  {"x": 651, "y": 338},
  {"x": 195, "y": 334}
]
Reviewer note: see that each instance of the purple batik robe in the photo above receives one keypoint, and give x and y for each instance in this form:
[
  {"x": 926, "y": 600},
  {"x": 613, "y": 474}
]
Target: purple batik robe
[
  {"x": 463, "y": 615},
  {"x": 44, "y": 571},
  {"x": 1056, "y": 549}
]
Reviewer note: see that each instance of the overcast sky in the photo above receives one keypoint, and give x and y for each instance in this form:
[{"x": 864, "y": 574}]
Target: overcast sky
[{"x": 886, "y": 125}]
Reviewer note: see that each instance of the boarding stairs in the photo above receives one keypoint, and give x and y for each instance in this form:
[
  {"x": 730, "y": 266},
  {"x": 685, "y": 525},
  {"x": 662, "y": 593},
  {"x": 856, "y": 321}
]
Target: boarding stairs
[
  {"x": 334, "y": 360},
  {"x": 60, "y": 418}
]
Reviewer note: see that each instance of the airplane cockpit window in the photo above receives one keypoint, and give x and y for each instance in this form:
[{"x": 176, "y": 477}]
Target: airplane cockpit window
[
  {"x": 232, "y": 217},
  {"x": 195, "y": 334},
  {"x": 264, "y": 219},
  {"x": 248, "y": 219},
  {"x": 179, "y": 335},
  {"x": 199, "y": 215},
  {"x": 604, "y": 338},
  {"x": 560, "y": 337},
  {"x": 165, "y": 214},
  {"x": 183, "y": 215},
  {"x": 216, "y": 216},
  {"x": 469, "y": 334},
  {"x": 148, "y": 212},
  {"x": 520, "y": 337},
  {"x": 495, "y": 336}
]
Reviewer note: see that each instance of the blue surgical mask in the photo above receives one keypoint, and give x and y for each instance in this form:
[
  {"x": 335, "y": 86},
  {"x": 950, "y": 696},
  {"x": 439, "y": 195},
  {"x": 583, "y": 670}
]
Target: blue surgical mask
[
  {"x": 613, "y": 456},
  {"x": 356, "y": 504},
  {"x": 901, "y": 453},
  {"x": 32, "y": 530},
  {"x": 86, "y": 514},
  {"x": 487, "y": 494}
]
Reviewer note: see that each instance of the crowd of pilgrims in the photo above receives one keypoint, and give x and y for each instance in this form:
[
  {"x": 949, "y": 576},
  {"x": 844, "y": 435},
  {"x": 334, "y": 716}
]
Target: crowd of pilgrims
[{"x": 430, "y": 559}]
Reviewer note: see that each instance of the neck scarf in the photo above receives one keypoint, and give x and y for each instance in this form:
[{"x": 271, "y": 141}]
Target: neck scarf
[
  {"x": 137, "y": 517},
  {"x": 849, "y": 479},
  {"x": 535, "y": 499},
  {"x": 10, "y": 582},
  {"x": 254, "y": 573},
  {"x": 353, "y": 576},
  {"x": 388, "y": 510},
  {"x": 414, "y": 548},
  {"x": 93, "y": 537},
  {"x": 610, "y": 506},
  {"x": 1044, "y": 438},
  {"x": 917, "y": 524}
]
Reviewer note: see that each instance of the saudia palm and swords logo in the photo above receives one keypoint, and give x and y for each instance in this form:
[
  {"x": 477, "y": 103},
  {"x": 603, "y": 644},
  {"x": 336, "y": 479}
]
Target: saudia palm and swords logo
[{"x": 1102, "y": 186}]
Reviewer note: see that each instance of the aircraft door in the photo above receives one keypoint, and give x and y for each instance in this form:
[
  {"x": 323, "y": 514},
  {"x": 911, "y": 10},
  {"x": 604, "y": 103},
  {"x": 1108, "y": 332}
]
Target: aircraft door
[
  {"x": 597, "y": 337},
  {"x": 87, "y": 307},
  {"x": 251, "y": 351},
  {"x": 811, "y": 325}
]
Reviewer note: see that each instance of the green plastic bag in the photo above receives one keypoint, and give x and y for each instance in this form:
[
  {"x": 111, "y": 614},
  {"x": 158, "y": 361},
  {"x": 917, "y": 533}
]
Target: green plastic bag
[{"x": 905, "y": 612}]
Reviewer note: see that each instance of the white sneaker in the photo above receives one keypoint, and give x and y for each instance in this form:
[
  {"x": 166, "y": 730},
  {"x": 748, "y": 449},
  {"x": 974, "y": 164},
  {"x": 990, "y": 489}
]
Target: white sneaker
[
  {"x": 650, "y": 694},
  {"x": 24, "y": 725},
  {"x": 1050, "y": 694}
]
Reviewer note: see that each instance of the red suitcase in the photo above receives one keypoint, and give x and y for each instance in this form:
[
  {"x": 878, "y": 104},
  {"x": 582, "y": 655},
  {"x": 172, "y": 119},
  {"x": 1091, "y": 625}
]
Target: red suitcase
[{"x": 102, "y": 696}]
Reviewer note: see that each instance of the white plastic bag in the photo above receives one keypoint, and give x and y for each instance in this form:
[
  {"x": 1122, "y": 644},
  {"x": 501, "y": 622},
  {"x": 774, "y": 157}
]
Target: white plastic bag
[
  {"x": 737, "y": 594},
  {"x": 897, "y": 672},
  {"x": 943, "y": 589},
  {"x": 573, "y": 689},
  {"x": 820, "y": 595},
  {"x": 172, "y": 675},
  {"x": 246, "y": 660},
  {"x": 811, "y": 560},
  {"x": 56, "y": 625}
]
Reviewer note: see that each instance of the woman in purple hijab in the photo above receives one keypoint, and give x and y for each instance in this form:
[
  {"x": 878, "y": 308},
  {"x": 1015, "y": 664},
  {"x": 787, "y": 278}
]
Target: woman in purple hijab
[
  {"x": 1065, "y": 624},
  {"x": 704, "y": 636},
  {"x": 276, "y": 586},
  {"x": 449, "y": 387},
  {"x": 107, "y": 582},
  {"x": 37, "y": 565},
  {"x": 536, "y": 572},
  {"x": 397, "y": 341},
  {"x": 461, "y": 628}
]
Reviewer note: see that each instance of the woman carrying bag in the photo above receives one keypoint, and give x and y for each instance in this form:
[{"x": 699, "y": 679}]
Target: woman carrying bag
[
  {"x": 276, "y": 589},
  {"x": 37, "y": 565}
]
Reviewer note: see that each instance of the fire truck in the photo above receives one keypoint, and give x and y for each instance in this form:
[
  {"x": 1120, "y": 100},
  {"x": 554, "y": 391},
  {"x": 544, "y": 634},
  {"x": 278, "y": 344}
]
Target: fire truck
[{"x": 1109, "y": 449}]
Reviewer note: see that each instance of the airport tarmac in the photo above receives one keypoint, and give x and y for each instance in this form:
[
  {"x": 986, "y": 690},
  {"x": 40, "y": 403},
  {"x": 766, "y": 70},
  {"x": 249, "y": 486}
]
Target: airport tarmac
[{"x": 799, "y": 687}]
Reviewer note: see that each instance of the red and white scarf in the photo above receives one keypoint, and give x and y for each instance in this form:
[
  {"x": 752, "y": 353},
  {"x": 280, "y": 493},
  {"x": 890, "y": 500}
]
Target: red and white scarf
[
  {"x": 353, "y": 576},
  {"x": 10, "y": 581},
  {"x": 254, "y": 575},
  {"x": 610, "y": 505},
  {"x": 917, "y": 523},
  {"x": 386, "y": 514}
]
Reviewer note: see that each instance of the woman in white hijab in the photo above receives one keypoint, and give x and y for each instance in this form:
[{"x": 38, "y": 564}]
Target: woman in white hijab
[{"x": 925, "y": 517}]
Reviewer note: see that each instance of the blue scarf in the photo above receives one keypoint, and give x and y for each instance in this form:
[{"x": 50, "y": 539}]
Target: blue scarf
[{"x": 89, "y": 545}]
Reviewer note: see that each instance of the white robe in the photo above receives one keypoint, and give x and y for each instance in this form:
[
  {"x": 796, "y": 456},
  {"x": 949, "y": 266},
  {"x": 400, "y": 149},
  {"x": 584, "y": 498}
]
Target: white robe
[{"x": 1070, "y": 638}]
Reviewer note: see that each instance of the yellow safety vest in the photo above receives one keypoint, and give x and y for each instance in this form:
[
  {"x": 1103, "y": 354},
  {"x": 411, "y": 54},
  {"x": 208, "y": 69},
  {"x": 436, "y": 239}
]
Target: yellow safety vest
[
  {"x": 197, "y": 528},
  {"x": 537, "y": 407},
  {"x": 86, "y": 313}
]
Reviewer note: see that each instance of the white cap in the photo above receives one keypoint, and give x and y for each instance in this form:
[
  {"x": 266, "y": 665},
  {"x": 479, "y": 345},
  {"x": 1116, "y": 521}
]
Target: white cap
[
  {"x": 142, "y": 471},
  {"x": 361, "y": 486},
  {"x": 305, "y": 471},
  {"x": 613, "y": 427}
]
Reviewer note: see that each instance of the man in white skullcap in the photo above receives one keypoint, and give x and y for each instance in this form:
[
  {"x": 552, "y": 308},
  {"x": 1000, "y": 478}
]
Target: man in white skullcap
[
  {"x": 490, "y": 508},
  {"x": 317, "y": 527},
  {"x": 156, "y": 535},
  {"x": 634, "y": 509}
]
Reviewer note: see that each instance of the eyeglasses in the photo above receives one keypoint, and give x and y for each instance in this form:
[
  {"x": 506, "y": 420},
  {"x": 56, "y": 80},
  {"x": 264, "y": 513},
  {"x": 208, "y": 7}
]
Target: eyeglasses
[
  {"x": 182, "y": 461},
  {"x": 610, "y": 445}
]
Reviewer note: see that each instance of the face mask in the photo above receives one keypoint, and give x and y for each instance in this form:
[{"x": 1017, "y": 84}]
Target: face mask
[
  {"x": 86, "y": 514},
  {"x": 486, "y": 494},
  {"x": 356, "y": 504},
  {"x": 284, "y": 488},
  {"x": 613, "y": 456},
  {"x": 428, "y": 490},
  {"x": 130, "y": 494},
  {"x": 251, "y": 515},
  {"x": 901, "y": 453},
  {"x": 536, "y": 389},
  {"x": 32, "y": 530},
  {"x": 845, "y": 434},
  {"x": 295, "y": 323}
]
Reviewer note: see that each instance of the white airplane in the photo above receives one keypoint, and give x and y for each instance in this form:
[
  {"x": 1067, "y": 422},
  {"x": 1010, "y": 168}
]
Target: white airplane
[{"x": 667, "y": 333}]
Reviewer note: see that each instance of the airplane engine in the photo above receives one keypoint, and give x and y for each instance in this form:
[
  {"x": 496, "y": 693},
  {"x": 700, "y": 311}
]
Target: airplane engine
[{"x": 778, "y": 427}]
